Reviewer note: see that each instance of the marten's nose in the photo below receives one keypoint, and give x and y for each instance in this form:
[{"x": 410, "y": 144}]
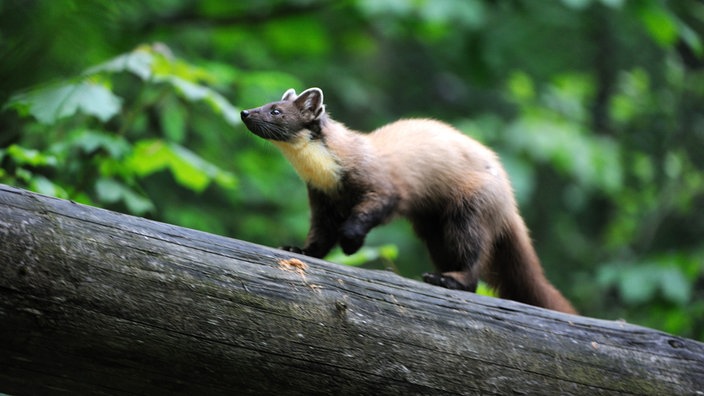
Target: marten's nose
[{"x": 244, "y": 114}]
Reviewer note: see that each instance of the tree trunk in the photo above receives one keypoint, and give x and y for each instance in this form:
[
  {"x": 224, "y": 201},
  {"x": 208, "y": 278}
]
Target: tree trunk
[{"x": 97, "y": 302}]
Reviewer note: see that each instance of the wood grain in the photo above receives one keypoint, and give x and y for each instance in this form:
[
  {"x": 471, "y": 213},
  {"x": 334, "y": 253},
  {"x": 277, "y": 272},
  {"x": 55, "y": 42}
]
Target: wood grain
[{"x": 93, "y": 301}]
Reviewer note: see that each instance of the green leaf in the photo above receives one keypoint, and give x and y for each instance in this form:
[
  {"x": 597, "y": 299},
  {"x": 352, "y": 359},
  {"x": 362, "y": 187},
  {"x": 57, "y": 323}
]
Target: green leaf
[
  {"x": 108, "y": 190},
  {"x": 223, "y": 107},
  {"x": 173, "y": 119},
  {"x": 631, "y": 100},
  {"x": 692, "y": 38},
  {"x": 148, "y": 156},
  {"x": 89, "y": 141},
  {"x": 195, "y": 172},
  {"x": 48, "y": 105},
  {"x": 659, "y": 22},
  {"x": 225, "y": 179},
  {"x": 30, "y": 157},
  {"x": 485, "y": 290},
  {"x": 138, "y": 62},
  {"x": 191, "y": 91},
  {"x": 388, "y": 252},
  {"x": 638, "y": 284},
  {"x": 45, "y": 186},
  {"x": 521, "y": 86},
  {"x": 675, "y": 286},
  {"x": 365, "y": 255},
  {"x": 593, "y": 161},
  {"x": 166, "y": 65},
  {"x": 195, "y": 92},
  {"x": 137, "y": 204},
  {"x": 189, "y": 169},
  {"x": 112, "y": 191}
]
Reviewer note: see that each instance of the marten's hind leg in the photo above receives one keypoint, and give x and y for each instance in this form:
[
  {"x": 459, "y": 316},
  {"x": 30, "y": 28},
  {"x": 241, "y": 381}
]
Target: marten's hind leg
[{"x": 458, "y": 247}]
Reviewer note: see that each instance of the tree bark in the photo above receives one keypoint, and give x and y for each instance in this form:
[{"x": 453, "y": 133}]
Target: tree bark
[{"x": 93, "y": 301}]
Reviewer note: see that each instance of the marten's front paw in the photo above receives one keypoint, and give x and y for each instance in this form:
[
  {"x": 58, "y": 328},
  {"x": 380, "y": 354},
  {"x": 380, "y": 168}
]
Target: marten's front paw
[
  {"x": 351, "y": 237},
  {"x": 441, "y": 280},
  {"x": 351, "y": 245},
  {"x": 292, "y": 249}
]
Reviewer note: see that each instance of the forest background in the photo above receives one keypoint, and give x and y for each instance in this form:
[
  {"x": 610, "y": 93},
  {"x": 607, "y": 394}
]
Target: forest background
[{"x": 595, "y": 107}]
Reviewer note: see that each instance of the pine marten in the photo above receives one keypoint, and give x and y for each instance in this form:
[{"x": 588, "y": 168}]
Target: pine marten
[{"x": 452, "y": 188}]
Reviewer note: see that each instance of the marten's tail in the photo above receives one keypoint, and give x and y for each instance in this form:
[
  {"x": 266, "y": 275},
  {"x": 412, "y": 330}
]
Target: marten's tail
[{"x": 516, "y": 272}]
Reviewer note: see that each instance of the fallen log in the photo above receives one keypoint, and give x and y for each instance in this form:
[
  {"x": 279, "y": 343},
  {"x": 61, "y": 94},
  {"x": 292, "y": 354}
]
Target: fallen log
[{"x": 93, "y": 301}]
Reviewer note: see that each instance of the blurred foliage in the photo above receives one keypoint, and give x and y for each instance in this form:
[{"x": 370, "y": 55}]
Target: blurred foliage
[
  {"x": 595, "y": 106},
  {"x": 100, "y": 147}
]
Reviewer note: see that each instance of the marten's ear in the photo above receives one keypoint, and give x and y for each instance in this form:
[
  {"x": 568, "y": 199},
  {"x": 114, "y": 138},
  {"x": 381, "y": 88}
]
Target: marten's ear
[
  {"x": 311, "y": 100},
  {"x": 289, "y": 95}
]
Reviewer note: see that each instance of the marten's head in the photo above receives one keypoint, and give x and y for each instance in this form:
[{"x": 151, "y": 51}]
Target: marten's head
[{"x": 286, "y": 119}]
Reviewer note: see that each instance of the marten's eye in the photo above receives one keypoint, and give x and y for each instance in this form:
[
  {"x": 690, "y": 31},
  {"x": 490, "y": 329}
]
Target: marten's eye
[{"x": 275, "y": 112}]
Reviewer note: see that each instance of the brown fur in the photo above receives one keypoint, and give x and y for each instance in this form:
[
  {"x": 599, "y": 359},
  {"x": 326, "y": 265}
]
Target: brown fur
[{"x": 452, "y": 188}]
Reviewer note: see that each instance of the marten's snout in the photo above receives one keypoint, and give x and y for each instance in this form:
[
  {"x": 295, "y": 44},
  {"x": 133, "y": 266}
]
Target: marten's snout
[
  {"x": 259, "y": 123},
  {"x": 251, "y": 121},
  {"x": 248, "y": 119}
]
